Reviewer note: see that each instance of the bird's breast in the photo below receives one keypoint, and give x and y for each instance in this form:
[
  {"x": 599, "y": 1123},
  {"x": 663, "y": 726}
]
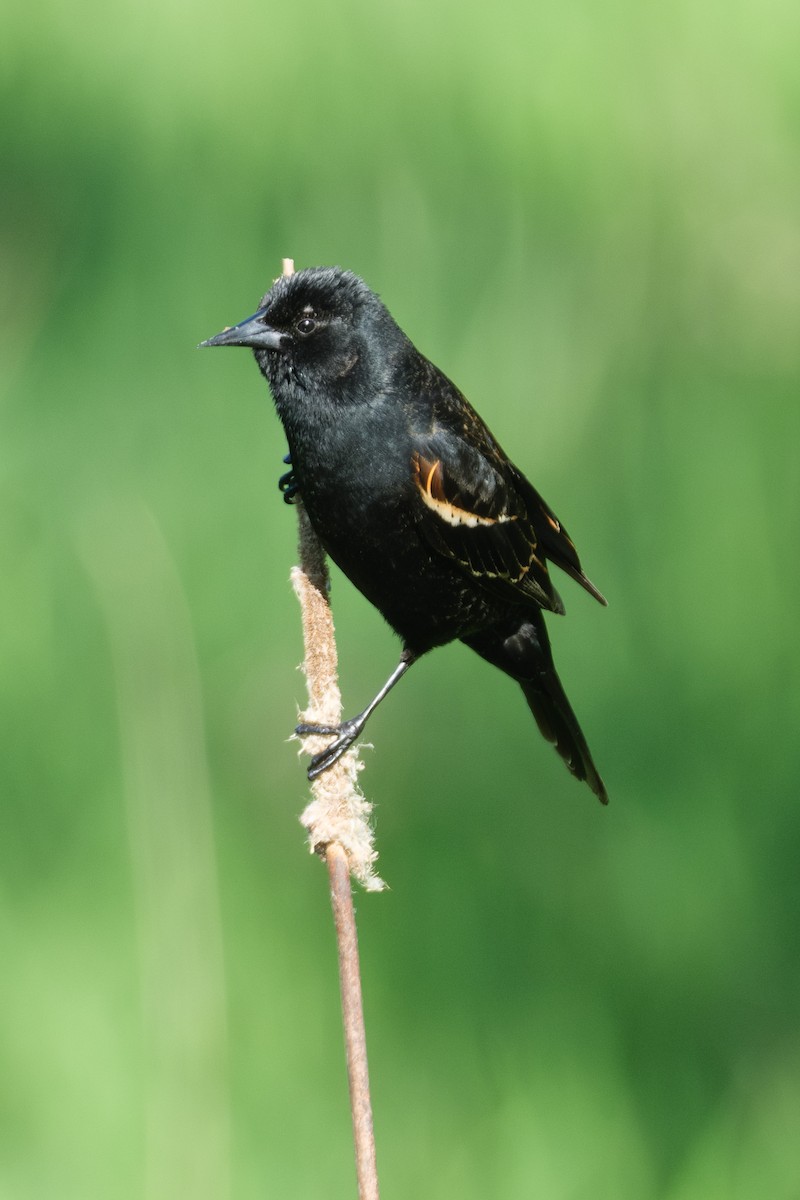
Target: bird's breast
[{"x": 357, "y": 483}]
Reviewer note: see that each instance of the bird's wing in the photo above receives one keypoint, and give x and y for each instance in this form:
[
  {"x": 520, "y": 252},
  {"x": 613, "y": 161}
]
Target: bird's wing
[
  {"x": 472, "y": 512},
  {"x": 555, "y": 542}
]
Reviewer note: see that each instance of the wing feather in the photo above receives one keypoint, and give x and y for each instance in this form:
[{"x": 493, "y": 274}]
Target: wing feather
[
  {"x": 556, "y": 543},
  {"x": 472, "y": 512}
]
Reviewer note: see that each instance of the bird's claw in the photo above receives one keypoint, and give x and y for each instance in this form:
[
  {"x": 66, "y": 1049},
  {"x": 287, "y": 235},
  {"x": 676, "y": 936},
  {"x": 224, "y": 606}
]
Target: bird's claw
[
  {"x": 287, "y": 483},
  {"x": 289, "y": 486},
  {"x": 306, "y": 730},
  {"x": 346, "y": 734}
]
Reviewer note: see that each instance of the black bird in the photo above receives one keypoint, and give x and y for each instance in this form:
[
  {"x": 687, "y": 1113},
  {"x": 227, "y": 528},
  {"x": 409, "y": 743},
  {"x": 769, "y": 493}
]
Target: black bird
[{"x": 411, "y": 496}]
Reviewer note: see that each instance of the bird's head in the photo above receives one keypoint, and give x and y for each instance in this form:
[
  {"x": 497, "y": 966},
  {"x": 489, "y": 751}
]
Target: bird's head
[{"x": 319, "y": 334}]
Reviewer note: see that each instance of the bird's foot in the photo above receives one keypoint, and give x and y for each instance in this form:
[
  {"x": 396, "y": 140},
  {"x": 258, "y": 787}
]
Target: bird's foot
[
  {"x": 346, "y": 734},
  {"x": 289, "y": 486},
  {"x": 288, "y": 483}
]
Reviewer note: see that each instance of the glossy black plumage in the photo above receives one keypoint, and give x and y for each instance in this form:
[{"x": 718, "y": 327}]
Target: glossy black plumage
[{"x": 411, "y": 495}]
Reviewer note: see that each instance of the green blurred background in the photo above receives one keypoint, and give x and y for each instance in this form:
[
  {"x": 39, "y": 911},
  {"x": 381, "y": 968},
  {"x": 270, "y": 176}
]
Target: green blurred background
[{"x": 587, "y": 216}]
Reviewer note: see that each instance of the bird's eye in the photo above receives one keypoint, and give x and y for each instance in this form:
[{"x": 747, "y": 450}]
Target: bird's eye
[{"x": 306, "y": 325}]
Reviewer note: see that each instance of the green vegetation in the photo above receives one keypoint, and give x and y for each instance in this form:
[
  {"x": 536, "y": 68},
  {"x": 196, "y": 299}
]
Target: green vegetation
[{"x": 587, "y": 215}]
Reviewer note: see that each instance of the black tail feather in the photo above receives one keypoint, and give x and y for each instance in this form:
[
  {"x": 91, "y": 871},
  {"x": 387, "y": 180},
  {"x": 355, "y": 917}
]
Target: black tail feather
[
  {"x": 521, "y": 648},
  {"x": 559, "y": 725}
]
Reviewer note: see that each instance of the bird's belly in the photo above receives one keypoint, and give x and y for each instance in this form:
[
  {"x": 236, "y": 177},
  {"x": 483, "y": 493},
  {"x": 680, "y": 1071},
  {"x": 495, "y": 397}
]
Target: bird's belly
[{"x": 374, "y": 539}]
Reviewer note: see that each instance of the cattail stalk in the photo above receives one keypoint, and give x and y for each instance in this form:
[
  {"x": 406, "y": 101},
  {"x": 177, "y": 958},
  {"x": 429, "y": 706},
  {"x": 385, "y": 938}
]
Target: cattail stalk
[{"x": 337, "y": 821}]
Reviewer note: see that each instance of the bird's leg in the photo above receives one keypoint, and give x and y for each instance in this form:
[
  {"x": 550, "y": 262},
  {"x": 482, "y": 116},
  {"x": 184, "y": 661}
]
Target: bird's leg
[
  {"x": 348, "y": 731},
  {"x": 288, "y": 484}
]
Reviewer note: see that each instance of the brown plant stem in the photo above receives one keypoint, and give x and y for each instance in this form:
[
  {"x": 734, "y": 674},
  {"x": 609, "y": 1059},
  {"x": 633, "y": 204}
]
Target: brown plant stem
[
  {"x": 337, "y": 820},
  {"x": 353, "y": 1016}
]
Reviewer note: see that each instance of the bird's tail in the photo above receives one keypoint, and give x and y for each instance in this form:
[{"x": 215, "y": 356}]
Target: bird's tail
[
  {"x": 558, "y": 723},
  {"x": 524, "y": 653}
]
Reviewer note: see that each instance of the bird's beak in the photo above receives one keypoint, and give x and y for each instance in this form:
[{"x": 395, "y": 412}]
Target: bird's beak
[{"x": 253, "y": 332}]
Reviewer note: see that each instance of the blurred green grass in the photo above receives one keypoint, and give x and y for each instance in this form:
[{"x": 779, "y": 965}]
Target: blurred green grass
[{"x": 588, "y": 218}]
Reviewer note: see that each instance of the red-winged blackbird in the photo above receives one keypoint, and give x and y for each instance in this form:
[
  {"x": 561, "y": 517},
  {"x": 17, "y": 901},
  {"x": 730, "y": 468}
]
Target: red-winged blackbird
[{"x": 411, "y": 495}]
